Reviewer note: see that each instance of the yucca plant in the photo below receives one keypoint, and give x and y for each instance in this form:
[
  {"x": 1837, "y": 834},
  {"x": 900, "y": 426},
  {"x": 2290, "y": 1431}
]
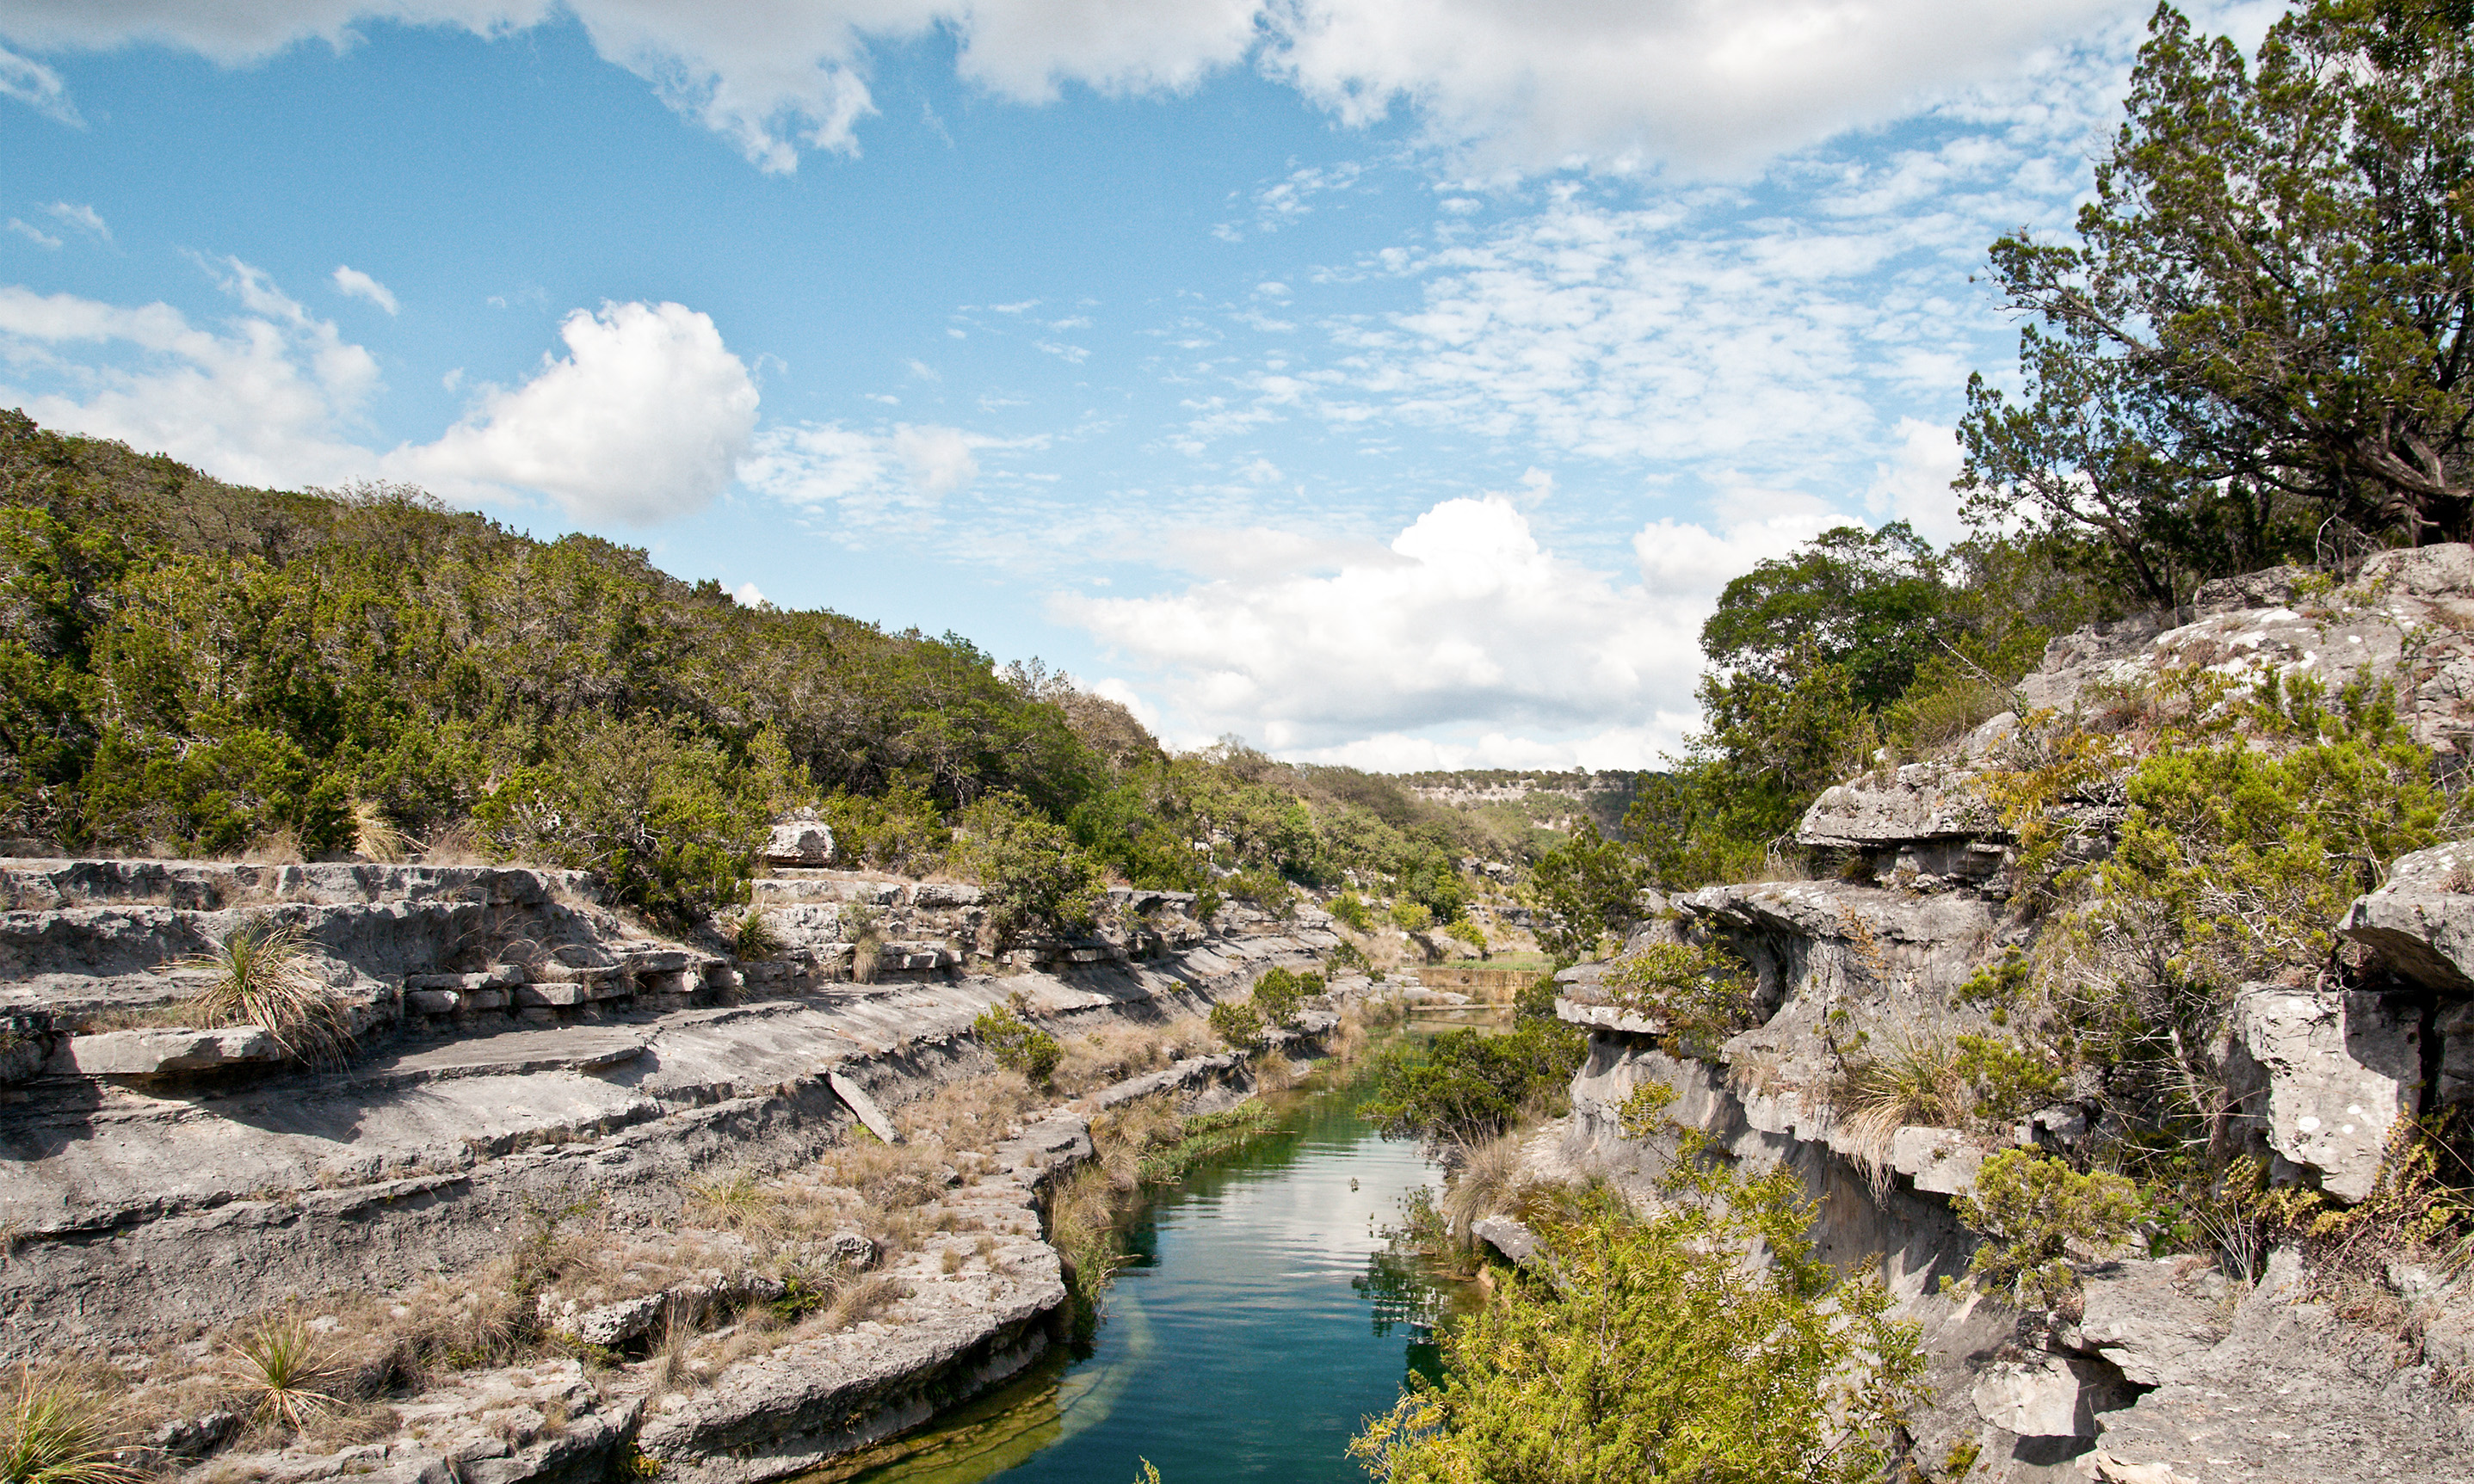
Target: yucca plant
[
  {"x": 287, "y": 1373},
  {"x": 57, "y": 1434},
  {"x": 754, "y": 939},
  {"x": 263, "y": 976},
  {"x": 1918, "y": 1081},
  {"x": 737, "y": 1203}
]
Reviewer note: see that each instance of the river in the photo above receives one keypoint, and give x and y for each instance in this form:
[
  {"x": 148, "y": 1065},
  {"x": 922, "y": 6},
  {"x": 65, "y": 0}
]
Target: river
[{"x": 1259, "y": 1321}]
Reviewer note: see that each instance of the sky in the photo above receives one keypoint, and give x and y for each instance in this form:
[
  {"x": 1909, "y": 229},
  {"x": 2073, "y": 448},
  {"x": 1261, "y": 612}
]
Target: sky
[{"x": 1386, "y": 382}]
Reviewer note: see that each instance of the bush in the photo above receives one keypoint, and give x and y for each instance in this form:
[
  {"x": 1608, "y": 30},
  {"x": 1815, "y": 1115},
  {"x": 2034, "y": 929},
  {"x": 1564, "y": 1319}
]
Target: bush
[
  {"x": 1351, "y": 909},
  {"x": 1701, "y": 993},
  {"x": 1466, "y": 1087},
  {"x": 1641, "y": 1350},
  {"x": 901, "y": 830},
  {"x": 669, "y": 821},
  {"x": 1467, "y": 932},
  {"x": 1033, "y": 876},
  {"x": 754, "y": 939},
  {"x": 1238, "y": 1023},
  {"x": 1017, "y": 1044},
  {"x": 1279, "y": 993},
  {"x": 2031, "y": 1210},
  {"x": 1412, "y": 915},
  {"x": 263, "y": 976}
]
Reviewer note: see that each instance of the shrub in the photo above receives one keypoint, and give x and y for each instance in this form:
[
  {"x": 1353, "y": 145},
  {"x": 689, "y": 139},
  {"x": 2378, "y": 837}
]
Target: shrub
[
  {"x": 1018, "y": 1045},
  {"x": 1467, "y": 932},
  {"x": 263, "y": 976},
  {"x": 900, "y": 830},
  {"x": 1344, "y": 957},
  {"x": 1412, "y": 915},
  {"x": 1643, "y": 1349},
  {"x": 1701, "y": 993},
  {"x": 1265, "y": 889},
  {"x": 1279, "y": 993},
  {"x": 669, "y": 821},
  {"x": 57, "y": 1435},
  {"x": 2006, "y": 1080},
  {"x": 1238, "y": 1023},
  {"x": 1033, "y": 876},
  {"x": 753, "y": 937},
  {"x": 1351, "y": 909},
  {"x": 2031, "y": 1210},
  {"x": 1464, "y": 1086}
]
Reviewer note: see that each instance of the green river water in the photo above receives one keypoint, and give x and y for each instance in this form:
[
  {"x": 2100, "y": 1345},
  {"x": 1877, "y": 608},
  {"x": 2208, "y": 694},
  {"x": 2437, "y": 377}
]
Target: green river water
[{"x": 1260, "y": 1320}]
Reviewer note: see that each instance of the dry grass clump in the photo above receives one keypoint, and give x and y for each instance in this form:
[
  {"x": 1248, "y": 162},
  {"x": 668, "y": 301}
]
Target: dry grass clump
[
  {"x": 1485, "y": 1180},
  {"x": 737, "y": 1202},
  {"x": 263, "y": 976},
  {"x": 376, "y": 837},
  {"x": 972, "y": 1113},
  {"x": 1274, "y": 1072},
  {"x": 58, "y": 1433},
  {"x": 1117, "y": 1052},
  {"x": 1917, "y": 1080}
]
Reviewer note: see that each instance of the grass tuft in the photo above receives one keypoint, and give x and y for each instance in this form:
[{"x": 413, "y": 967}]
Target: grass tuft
[
  {"x": 55, "y": 1434},
  {"x": 288, "y": 1375},
  {"x": 264, "y": 977},
  {"x": 754, "y": 939}
]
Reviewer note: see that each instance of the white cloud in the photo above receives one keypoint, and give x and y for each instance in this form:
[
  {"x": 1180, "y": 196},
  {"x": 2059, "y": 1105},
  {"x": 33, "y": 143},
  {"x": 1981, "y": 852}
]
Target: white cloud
[
  {"x": 352, "y": 283},
  {"x": 84, "y": 218},
  {"x": 37, "y": 86},
  {"x": 1462, "y": 621},
  {"x": 1524, "y": 84},
  {"x": 748, "y": 595},
  {"x": 643, "y": 420},
  {"x": 268, "y": 399},
  {"x": 894, "y": 475},
  {"x": 35, "y": 234},
  {"x": 1913, "y": 484}
]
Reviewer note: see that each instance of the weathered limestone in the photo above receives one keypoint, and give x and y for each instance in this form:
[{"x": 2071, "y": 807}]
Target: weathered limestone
[
  {"x": 2339, "y": 1070},
  {"x": 153, "y": 1053},
  {"x": 800, "y": 838}
]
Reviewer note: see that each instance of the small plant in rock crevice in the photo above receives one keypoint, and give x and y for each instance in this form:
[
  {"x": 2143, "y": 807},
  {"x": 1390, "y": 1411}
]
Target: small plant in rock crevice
[
  {"x": 754, "y": 939},
  {"x": 1017, "y": 1044},
  {"x": 2033, "y": 1210},
  {"x": 1701, "y": 993}
]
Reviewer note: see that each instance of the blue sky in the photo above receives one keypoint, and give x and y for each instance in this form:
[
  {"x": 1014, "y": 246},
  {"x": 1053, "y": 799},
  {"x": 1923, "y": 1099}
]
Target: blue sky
[{"x": 1387, "y": 381}]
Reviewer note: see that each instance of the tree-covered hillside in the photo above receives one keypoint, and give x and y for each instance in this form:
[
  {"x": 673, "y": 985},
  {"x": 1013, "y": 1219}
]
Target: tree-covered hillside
[{"x": 191, "y": 668}]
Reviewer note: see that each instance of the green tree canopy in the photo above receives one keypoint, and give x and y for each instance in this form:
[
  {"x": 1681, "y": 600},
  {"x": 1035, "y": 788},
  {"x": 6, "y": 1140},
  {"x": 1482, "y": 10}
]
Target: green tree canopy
[
  {"x": 2264, "y": 321},
  {"x": 1868, "y": 602}
]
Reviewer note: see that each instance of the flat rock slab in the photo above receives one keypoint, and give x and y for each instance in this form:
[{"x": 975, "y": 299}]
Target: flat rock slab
[
  {"x": 863, "y": 1107},
  {"x": 562, "y": 1049},
  {"x": 153, "y": 1052}
]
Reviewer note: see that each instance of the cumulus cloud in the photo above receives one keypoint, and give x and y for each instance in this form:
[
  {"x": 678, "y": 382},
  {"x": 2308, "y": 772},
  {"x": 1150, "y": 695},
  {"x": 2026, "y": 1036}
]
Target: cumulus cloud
[
  {"x": 1913, "y": 484},
  {"x": 266, "y": 399},
  {"x": 645, "y": 420},
  {"x": 1464, "y": 620},
  {"x": 1524, "y": 84},
  {"x": 352, "y": 283}
]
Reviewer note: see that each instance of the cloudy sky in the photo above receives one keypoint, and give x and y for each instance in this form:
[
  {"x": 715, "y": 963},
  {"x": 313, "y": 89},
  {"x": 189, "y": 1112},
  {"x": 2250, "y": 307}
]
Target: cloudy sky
[{"x": 1386, "y": 381}]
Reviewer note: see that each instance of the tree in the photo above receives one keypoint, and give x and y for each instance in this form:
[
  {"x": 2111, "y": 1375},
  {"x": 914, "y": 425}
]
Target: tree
[
  {"x": 1869, "y": 602},
  {"x": 1584, "y": 890},
  {"x": 2264, "y": 320}
]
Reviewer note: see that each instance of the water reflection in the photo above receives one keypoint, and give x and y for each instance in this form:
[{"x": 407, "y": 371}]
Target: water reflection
[{"x": 1261, "y": 1319}]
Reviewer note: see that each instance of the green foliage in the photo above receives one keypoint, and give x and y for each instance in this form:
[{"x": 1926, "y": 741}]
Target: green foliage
[
  {"x": 1033, "y": 877},
  {"x": 289, "y": 1378},
  {"x": 2031, "y": 1210},
  {"x": 1467, "y": 932},
  {"x": 2237, "y": 857},
  {"x": 1584, "y": 890},
  {"x": 1536, "y": 1000},
  {"x": 1351, "y": 909},
  {"x": 1238, "y": 1023},
  {"x": 1647, "y": 1349},
  {"x": 1412, "y": 917},
  {"x": 1699, "y": 992},
  {"x": 1346, "y": 957},
  {"x": 753, "y": 937},
  {"x": 1263, "y": 887},
  {"x": 1017, "y": 1044},
  {"x": 2262, "y": 321},
  {"x": 2005, "y": 1080},
  {"x": 1868, "y": 602},
  {"x": 669, "y": 821},
  {"x": 900, "y": 830},
  {"x": 1466, "y": 1087},
  {"x": 1279, "y": 993}
]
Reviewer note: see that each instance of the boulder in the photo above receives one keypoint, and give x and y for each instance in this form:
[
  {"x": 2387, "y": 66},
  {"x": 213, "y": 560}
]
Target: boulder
[
  {"x": 2147, "y": 1319},
  {"x": 1923, "y": 801},
  {"x": 2044, "y": 1396},
  {"x": 2338, "y": 1069},
  {"x": 800, "y": 838},
  {"x": 2421, "y": 923},
  {"x": 1507, "y": 1235}
]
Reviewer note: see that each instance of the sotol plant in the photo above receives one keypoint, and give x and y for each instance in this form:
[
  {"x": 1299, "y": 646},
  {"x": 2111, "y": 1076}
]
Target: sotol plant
[
  {"x": 263, "y": 976},
  {"x": 57, "y": 1435}
]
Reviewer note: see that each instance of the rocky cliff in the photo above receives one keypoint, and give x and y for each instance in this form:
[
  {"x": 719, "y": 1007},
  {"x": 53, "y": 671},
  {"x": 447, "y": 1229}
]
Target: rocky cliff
[{"x": 2159, "y": 1368}]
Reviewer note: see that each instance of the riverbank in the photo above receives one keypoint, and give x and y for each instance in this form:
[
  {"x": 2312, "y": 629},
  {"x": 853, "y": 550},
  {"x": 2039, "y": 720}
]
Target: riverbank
[{"x": 636, "y": 1224}]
